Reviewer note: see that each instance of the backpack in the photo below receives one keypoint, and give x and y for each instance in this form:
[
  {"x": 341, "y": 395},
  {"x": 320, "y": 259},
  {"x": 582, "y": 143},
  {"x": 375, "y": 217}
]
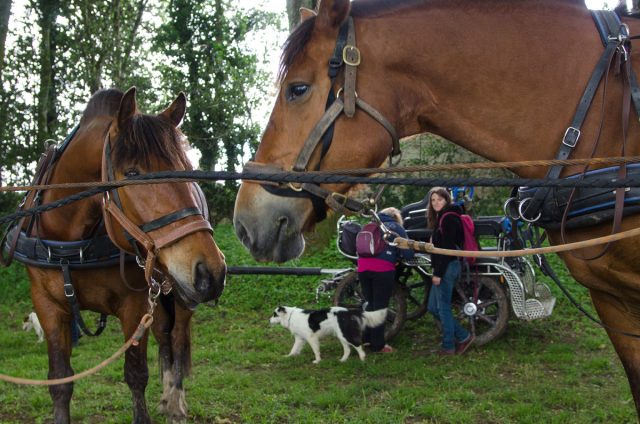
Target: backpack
[
  {"x": 468, "y": 228},
  {"x": 370, "y": 241},
  {"x": 348, "y": 232}
]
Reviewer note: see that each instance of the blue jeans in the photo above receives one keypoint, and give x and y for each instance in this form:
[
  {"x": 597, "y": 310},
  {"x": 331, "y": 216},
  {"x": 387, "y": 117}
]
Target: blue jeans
[{"x": 440, "y": 307}]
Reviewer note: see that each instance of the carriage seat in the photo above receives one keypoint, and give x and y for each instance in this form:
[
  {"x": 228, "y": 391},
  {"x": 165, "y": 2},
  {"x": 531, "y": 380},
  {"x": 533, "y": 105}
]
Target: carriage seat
[
  {"x": 414, "y": 215},
  {"x": 488, "y": 226}
]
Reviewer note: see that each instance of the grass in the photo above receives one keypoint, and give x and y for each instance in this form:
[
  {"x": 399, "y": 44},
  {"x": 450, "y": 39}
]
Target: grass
[{"x": 558, "y": 370}]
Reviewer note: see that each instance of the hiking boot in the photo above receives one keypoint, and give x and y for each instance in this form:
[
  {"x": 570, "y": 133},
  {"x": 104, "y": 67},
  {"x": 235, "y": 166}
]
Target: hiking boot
[
  {"x": 446, "y": 352},
  {"x": 464, "y": 345}
]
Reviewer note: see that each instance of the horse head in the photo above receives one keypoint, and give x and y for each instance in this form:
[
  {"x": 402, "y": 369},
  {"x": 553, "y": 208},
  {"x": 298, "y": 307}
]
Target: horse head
[
  {"x": 314, "y": 126},
  {"x": 163, "y": 223}
]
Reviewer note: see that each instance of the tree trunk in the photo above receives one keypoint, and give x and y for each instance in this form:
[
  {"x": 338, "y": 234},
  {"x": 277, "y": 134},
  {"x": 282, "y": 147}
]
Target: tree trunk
[
  {"x": 46, "y": 114},
  {"x": 293, "y": 10},
  {"x": 5, "y": 12},
  {"x": 128, "y": 42}
]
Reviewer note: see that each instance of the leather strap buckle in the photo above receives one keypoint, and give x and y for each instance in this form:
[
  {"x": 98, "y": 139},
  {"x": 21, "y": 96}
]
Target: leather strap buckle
[
  {"x": 351, "y": 55},
  {"x": 571, "y": 136}
]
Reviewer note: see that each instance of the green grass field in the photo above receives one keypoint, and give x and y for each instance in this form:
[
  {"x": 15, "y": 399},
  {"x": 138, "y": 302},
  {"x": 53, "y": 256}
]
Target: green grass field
[{"x": 558, "y": 370}]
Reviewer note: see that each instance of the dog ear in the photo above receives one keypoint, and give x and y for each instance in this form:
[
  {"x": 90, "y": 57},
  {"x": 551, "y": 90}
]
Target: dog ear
[
  {"x": 26, "y": 319},
  {"x": 281, "y": 309}
]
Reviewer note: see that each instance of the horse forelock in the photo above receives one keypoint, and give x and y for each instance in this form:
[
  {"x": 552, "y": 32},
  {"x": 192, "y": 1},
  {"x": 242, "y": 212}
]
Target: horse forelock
[{"x": 147, "y": 137}]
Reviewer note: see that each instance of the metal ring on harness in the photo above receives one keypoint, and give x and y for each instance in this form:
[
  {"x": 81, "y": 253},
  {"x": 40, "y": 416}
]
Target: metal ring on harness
[
  {"x": 507, "y": 208},
  {"x": 521, "y": 205},
  {"x": 294, "y": 188},
  {"x": 341, "y": 89}
]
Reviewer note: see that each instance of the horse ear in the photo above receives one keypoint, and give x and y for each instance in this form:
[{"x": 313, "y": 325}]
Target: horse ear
[
  {"x": 332, "y": 13},
  {"x": 176, "y": 111},
  {"x": 127, "y": 107},
  {"x": 306, "y": 14}
]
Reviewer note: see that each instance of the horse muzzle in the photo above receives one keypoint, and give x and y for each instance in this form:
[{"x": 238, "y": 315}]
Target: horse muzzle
[{"x": 270, "y": 227}]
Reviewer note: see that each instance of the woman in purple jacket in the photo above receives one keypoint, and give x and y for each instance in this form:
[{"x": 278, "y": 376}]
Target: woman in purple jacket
[
  {"x": 377, "y": 276},
  {"x": 447, "y": 233}
]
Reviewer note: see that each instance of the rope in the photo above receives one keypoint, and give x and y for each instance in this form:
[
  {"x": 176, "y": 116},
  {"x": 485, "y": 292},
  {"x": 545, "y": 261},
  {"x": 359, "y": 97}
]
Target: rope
[
  {"x": 336, "y": 175},
  {"x": 145, "y": 323},
  {"x": 333, "y": 177},
  {"x": 184, "y": 176},
  {"x": 429, "y": 248}
]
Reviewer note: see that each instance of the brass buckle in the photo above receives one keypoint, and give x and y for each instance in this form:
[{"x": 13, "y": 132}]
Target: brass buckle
[
  {"x": 339, "y": 198},
  {"x": 351, "y": 49}
]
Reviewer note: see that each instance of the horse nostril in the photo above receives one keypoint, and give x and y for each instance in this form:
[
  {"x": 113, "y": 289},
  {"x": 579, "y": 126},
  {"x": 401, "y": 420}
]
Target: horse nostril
[
  {"x": 283, "y": 224},
  {"x": 206, "y": 284}
]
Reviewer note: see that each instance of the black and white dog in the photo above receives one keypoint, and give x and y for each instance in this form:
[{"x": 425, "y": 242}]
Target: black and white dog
[
  {"x": 31, "y": 322},
  {"x": 310, "y": 326}
]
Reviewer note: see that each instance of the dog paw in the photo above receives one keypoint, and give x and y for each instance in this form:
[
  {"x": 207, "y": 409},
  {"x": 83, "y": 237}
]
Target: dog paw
[{"x": 316, "y": 361}]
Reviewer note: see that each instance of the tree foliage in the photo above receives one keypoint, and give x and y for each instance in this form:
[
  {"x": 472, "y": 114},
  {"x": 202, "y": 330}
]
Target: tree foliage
[
  {"x": 63, "y": 51},
  {"x": 204, "y": 43}
]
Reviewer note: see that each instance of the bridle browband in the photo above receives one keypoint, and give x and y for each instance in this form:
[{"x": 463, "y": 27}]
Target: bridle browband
[
  {"x": 141, "y": 233},
  {"x": 346, "y": 55}
]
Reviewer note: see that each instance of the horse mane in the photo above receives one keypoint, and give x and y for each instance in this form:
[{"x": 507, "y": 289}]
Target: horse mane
[
  {"x": 300, "y": 36},
  {"x": 103, "y": 102},
  {"x": 146, "y": 136}
]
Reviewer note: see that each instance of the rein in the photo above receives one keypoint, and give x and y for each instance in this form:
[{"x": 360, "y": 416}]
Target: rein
[{"x": 345, "y": 55}]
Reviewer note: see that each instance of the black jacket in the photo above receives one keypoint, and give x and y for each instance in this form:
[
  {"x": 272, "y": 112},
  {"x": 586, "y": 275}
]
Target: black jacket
[{"x": 449, "y": 235}]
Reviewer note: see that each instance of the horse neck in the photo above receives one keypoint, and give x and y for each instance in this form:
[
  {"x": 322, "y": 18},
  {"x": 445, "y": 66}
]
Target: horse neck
[
  {"x": 80, "y": 162},
  {"x": 501, "y": 83}
]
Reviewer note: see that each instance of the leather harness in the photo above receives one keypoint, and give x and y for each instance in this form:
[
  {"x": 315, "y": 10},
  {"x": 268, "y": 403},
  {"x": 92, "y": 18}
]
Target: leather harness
[{"x": 615, "y": 37}]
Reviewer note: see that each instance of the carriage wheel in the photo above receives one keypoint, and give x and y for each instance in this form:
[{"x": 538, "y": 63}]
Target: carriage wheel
[
  {"x": 416, "y": 284},
  {"x": 349, "y": 295},
  {"x": 481, "y": 305}
]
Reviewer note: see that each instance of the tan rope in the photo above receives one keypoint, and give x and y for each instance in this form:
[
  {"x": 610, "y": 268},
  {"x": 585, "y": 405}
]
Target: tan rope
[
  {"x": 616, "y": 160},
  {"x": 429, "y": 248},
  {"x": 145, "y": 323}
]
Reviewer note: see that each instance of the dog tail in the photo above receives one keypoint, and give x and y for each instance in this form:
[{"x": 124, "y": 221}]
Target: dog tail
[{"x": 374, "y": 318}]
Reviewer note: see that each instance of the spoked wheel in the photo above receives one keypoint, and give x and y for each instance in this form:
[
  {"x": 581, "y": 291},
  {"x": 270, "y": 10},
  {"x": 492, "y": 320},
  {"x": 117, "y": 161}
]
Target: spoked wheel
[
  {"x": 416, "y": 283},
  {"x": 481, "y": 305},
  {"x": 349, "y": 294}
]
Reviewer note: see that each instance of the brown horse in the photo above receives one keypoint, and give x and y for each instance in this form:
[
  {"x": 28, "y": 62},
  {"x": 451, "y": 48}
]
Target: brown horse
[
  {"x": 188, "y": 256},
  {"x": 500, "y": 78}
]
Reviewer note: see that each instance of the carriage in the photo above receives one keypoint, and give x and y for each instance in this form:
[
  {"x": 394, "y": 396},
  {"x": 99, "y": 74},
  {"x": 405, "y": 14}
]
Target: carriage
[{"x": 488, "y": 294}]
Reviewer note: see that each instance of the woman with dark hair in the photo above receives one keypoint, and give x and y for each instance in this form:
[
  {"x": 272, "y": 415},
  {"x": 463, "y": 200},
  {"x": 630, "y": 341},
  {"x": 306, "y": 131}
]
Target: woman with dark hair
[{"x": 443, "y": 218}]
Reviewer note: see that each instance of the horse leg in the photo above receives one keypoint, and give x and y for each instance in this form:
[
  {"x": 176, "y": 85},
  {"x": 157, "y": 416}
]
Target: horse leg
[
  {"x": 173, "y": 333},
  {"x": 163, "y": 322},
  {"x": 181, "y": 365},
  {"x": 136, "y": 371},
  {"x": 625, "y": 317},
  {"x": 57, "y": 329}
]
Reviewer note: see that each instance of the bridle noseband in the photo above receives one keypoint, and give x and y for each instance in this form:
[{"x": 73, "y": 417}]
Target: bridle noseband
[
  {"x": 346, "y": 55},
  {"x": 140, "y": 234}
]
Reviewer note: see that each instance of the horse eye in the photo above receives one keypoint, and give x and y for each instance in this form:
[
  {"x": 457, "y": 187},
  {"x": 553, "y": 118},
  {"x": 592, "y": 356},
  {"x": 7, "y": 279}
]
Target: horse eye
[
  {"x": 296, "y": 91},
  {"x": 132, "y": 172}
]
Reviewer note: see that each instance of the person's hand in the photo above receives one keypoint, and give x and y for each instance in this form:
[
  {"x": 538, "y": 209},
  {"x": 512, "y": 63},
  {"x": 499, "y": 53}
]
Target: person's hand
[{"x": 435, "y": 280}]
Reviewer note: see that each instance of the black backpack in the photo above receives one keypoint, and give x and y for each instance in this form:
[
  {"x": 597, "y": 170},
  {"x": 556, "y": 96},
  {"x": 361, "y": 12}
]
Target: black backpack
[{"x": 348, "y": 232}]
